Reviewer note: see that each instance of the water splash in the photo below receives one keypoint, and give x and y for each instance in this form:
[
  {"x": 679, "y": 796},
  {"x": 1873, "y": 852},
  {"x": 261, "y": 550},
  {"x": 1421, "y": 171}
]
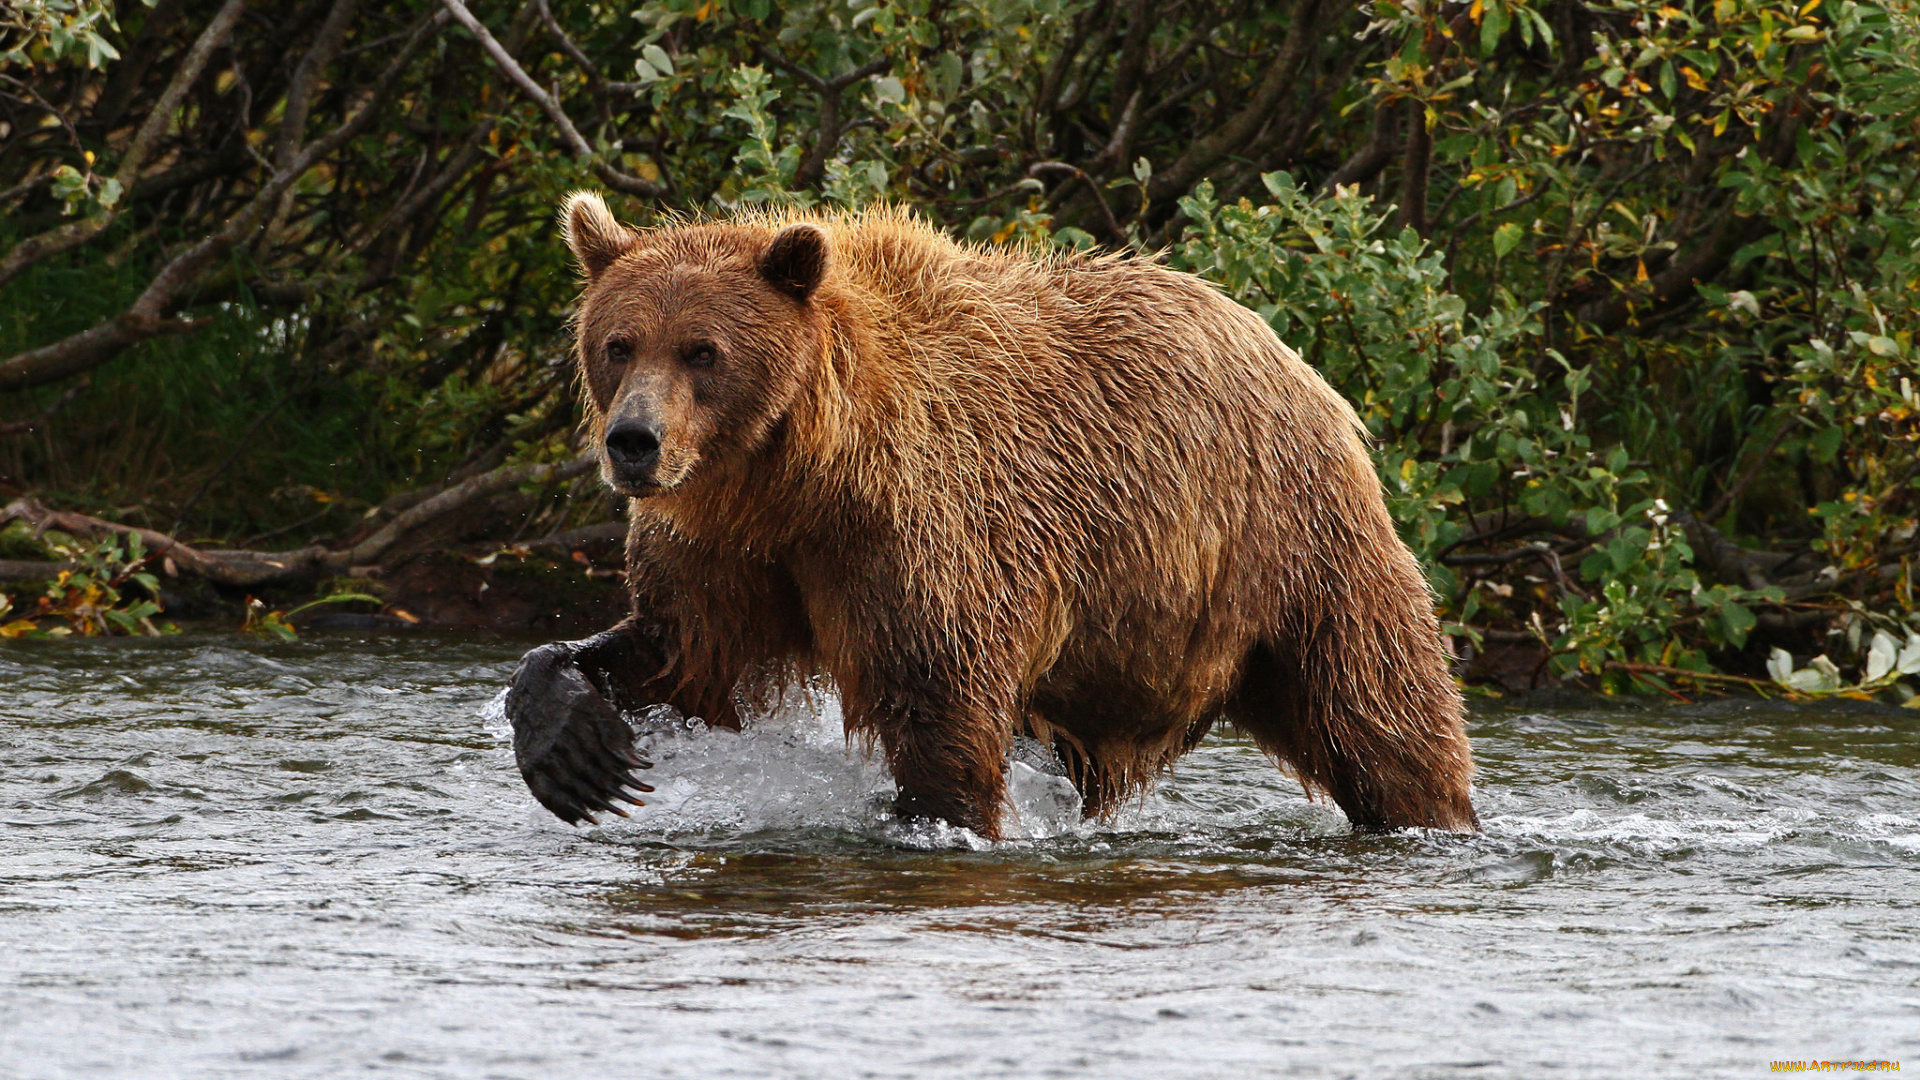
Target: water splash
[{"x": 793, "y": 768}]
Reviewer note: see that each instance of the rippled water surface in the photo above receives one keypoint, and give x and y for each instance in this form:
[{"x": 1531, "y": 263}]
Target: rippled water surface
[{"x": 222, "y": 859}]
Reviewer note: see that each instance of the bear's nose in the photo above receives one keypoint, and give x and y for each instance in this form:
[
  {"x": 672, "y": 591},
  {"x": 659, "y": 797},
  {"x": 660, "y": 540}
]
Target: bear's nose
[{"x": 633, "y": 444}]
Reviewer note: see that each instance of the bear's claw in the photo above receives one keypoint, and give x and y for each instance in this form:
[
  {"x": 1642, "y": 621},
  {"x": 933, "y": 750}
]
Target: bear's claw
[{"x": 573, "y": 748}]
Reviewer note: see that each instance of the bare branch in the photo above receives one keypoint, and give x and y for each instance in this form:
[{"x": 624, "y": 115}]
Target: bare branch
[
  {"x": 32, "y": 572},
  {"x": 1050, "y": 85},
  {"x": 150, "y": 132},
  {"x": 227, "y": 568},
  {"x": 1142, "y": 17},
  {"x": 1703, "y": 262},
  {"x": 293, "y": 122},
  {"x": 814, "y": 165},
  {"x": 90, "y": 348},
  {"x": 250, "y": 568},
  {"x": 299, "y": 100},
  {"x": 462, "y": 162},
  {"x": 608, "y": 173},
  {"x": 1366, "y": 162},
  {"x": 595, "y": 84},
  {"x": 130, "y": 72},
  {"x": 1113, "y": 223},
  {"x": 75, "y": 233},
  {"x": 1115, "y": 152},
  {"x": 607, "y": 532},
  {"x": 147, "y": 316},
  {"x": 1260, "y": 110},
  {"x": 1414, "y": 169}
]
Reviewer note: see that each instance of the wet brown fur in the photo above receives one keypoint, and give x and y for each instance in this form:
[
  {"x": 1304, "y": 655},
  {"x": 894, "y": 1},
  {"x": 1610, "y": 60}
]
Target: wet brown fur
[{"x": 989, "y": 492}]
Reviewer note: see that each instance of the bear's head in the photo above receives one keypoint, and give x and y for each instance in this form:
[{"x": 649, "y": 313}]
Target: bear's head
[{"x": 693, "y": 340}]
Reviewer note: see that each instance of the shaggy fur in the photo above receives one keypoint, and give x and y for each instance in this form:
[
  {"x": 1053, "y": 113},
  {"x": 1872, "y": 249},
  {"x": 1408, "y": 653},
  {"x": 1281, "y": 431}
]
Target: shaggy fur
[{"x": 991, "y": 493}]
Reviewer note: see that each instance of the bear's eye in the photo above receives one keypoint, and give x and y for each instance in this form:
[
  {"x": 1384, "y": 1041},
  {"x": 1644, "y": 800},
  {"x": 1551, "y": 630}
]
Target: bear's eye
[
  {"x": 702, "y": 355},
  {"x": 619, "y": 352}
]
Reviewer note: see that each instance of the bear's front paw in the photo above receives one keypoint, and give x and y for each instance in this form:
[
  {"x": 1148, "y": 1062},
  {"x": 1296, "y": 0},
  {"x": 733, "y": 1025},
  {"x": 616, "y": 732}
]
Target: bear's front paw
[{"x": 574, "y": 749}]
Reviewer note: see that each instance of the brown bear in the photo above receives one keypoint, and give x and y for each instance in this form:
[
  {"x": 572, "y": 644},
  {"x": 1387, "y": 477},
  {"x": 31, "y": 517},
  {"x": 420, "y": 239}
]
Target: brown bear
[{"x": 989, "y": 493}]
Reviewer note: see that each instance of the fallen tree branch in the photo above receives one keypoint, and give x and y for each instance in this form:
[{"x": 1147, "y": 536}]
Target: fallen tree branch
[
  {"x": 1727, "y": 560},
  {"x": 1685, "y": 673},
  {"x": 245, "y": 569},
  {"x": 32, "y": 572},
  {"x": 1792, "y": 620},
  {"x": 225, "y": 567},
  {"x": 607, "y": 532},
  {"x": 472, "y": 490}
]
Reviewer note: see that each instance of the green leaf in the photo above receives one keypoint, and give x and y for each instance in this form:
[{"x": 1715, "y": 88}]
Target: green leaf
[
  {"x": 1540, "y": 24},
  {"x": 1735, "y": 622},
  {"x": 657, "y": 58},
  {"x": 1493, "y": 24},
  {"x": 1506, "y": 237}
]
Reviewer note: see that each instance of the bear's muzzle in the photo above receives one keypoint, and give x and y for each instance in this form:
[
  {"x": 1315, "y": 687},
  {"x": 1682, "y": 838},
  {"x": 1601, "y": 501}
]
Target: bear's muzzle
[{"x": 633, "y": 453}]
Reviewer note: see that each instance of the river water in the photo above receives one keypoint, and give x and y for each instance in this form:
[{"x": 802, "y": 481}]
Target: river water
[{"x": 220, "y": 858}]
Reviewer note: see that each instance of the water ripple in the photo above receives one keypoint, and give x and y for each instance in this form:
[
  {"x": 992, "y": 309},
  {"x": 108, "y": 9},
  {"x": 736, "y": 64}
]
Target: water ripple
[{"x": 226, "y": 859}]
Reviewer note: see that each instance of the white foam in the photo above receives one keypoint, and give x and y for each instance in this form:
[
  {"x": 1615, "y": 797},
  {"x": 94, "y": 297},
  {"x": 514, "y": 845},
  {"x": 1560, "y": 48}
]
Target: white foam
[
  {"x": 789, "y": 767},
  {"x": 1645, "y": 834},
  {"x": 792, "y": 767},
  {"x": 1893, "y": 829}
]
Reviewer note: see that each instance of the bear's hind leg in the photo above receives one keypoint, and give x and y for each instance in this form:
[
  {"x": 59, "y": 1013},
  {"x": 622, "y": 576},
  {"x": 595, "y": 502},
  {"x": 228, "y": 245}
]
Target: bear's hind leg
[{"x": 1379, "y": 728}]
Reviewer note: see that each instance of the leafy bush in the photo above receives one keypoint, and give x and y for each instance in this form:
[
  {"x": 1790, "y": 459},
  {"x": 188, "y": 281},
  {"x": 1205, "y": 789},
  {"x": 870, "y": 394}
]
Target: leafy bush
[
  {"x": 1623, "y": 289},
  {"x": 87, "y": 599},
  {"x": 1467, "y": 435}
]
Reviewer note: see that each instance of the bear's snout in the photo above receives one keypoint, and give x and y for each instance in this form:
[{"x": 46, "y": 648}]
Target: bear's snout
[{"x": 633, "y": 450}]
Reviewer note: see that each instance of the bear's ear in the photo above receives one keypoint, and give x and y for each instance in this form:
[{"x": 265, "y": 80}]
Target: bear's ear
[
  {"x": 796, "y": 261},
  {"x": 595, "y": 237}
]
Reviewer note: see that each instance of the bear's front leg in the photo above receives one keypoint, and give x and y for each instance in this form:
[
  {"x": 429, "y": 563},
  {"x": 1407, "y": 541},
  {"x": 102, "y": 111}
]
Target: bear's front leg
[
  {"x": 946, "y": 748},
  {"x": 942, "y": 774},
  {"x": 574, "y": 748}
]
